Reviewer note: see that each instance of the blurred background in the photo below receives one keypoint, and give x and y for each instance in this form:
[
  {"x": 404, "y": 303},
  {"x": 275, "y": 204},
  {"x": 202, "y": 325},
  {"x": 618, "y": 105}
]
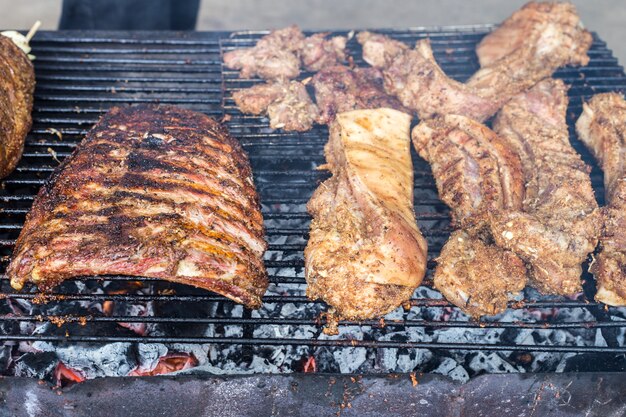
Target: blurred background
[{"x": 607, "y": 17}]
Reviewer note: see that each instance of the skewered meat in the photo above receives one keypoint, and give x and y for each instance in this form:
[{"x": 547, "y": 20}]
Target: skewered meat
[
  {"x": 602, "y": 127},
  {"x": 476, "y": 276},
  {"x": 554, "y": 39},
  {"x": 287, "y": 104},
  {"x": 365, "y": 254},
  {"x": 525, "y": 24},
  {"x": 476, "y": 173},
  {"x": 319, "y": 52},
  {"x": 379, "y": 50},
  {"x": 339, "y": 89},
  {"x": 274, "y": 56},
  {"x": 477, "y": 176},
  {"x": 17, "y": 85},
  {"x": 153, "y": 191},
  {"x": 560, "y": 222}
]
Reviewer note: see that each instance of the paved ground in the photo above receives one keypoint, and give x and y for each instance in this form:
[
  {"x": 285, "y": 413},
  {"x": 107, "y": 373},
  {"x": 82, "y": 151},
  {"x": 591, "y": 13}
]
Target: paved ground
[{"x": 607, "y": 17}]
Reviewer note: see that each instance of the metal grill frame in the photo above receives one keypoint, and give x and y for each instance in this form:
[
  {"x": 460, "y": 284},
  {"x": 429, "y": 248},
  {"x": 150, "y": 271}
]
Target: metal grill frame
[{"x": 81, "y": 74}]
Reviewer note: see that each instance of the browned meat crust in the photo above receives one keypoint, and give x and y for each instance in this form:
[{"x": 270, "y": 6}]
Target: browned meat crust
[
  {"x": 153, "y": 191},
  {"x": 379, "y": 50},
  {"x": 365, "y": 254},
  {"x": 319, "y": 52},
  {"x": 339, "y": 89},
  {"x": 275, "y": 55},
  {"x": 478, "y": 177},
  {"x": 560, "y": 221},
  {"x": 553, "y": 37},
  {"x": 602, "y": 127},
  {"x": 17, "y": 85},
  {"x": 287, "y": 103}
]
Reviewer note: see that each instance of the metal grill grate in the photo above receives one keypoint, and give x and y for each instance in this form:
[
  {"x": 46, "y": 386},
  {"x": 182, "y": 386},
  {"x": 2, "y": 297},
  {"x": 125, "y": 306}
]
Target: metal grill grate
[{"x": 81, "y": 75}]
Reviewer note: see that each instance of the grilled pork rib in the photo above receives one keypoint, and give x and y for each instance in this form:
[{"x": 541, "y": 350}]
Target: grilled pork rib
[
  {"x": 602, "y": 127},
  {"x": 552, "y": 37},
  {"x": 153, "y": 191},
  {"x": 477, "y": 176},
  {"x": 379, "y": 50},
  {"x": 17, "y": 85},
  {"x": 287, "y": 104},
  {"x": 365, "y": 254},
  {"x": 560, "y": 221}
]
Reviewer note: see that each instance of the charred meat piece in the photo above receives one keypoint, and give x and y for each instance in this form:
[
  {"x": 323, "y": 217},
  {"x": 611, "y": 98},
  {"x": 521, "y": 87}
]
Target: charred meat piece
[
  {"x": 287, "y": 103},
  {"x": 602, "y": 127},
  {"x": 319, "y": 52},
  {"x": 524, "y": 26},
  {"x": 339, "y": 89},
  {"x": 476, "y": 276},
  {"x": 476, "y": 173},
  {"x": 477, "y": 176},
  {"x": 365, "y": 254},
  {"x": 560, "y": 221},
  {"x": 379, "y": 50},
  {"x": 17, "y": 85},
  {"x": 555, "y": 40},
  {"x": 154, "y": 191},
  {"x": 274, "y": 56}
]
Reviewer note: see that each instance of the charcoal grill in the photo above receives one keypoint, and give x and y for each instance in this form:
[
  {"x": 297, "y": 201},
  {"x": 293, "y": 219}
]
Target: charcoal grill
[{"x": 80, "y": 75}]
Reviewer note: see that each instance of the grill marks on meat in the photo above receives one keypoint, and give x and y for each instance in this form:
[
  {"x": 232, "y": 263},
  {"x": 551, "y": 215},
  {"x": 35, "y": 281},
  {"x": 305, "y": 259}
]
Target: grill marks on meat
[
  {"x": 275, "y": 55},
  {"x": 279, "y": 54},
  {"x": 477, "y": 176},
  {"x": 339, "y": 89},
  {"x": 543, "y": 37},
  {"x": 379, "y": 50},
  {"x": 365, "y": 254},
  {"x": 475, "y": 172},
  {"x": 287, "y": 104},
  {"x": 153, "y": 191},
  {"x": 17, "y": 85},
  {"x": 602, "y": 127},
  {"x": 560, "y": 222}
]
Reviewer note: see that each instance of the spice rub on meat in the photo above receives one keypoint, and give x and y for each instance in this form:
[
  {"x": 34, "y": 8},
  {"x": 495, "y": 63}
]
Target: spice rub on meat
[
  {"x": 339, "y": 89},
  {"x": 559, "y": 223},
  {"x": 154, "y": 191},
  {"x": 17, "y": 85},
  {"x": 287, "y": 103},
  {"x": 365, "y": 255},
  {"x": 602, "y": 128},
  {"x": 476, "y": 176}
]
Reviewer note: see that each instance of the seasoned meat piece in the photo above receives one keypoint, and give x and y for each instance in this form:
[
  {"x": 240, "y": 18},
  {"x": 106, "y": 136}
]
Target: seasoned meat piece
[
  {"x": 379, "y": 50},
  {"x": 154, "y": 191},
  {"x": 287, "y": 104},
  {"x": 339, "y": 89},
  {"x": 524, "y": 25},
  {"x": 476, "y": 173},
  {"x": 602, "y": 127},
  {"x": 17, "y": 85},
  {"x": 478, "y": 177},
  {"x": 319, "y": 52},
  {"x": 420, "y": 84},
  {"x": 365, "y": 254},
  {"x": 476, "y": 276},
  {"x": 560, "y": 221},
  {"x": 275, "y": 56}
]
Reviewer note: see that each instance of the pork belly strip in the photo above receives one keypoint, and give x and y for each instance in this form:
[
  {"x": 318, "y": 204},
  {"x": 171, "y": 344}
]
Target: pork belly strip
[
  {"x": 154, "y": 191},
  {"x": 602, "y": 127},
  {"x": 477, "y": 176},
  {"x": 365, "y": 255},
  {"x": 286, "y": 103},
  {"x": 555, "y": 40},
  {"x": 340, "y": 89},
  {"x": 560, "y": 221},
  {"x": 17, "y": 85}
]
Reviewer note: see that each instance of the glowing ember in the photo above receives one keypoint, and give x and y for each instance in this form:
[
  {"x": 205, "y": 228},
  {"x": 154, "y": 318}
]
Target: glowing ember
[
  {"x": 65, "y": 376},
  {"x": 167, "y": 364},
  {"x": 310, "y": 366}
]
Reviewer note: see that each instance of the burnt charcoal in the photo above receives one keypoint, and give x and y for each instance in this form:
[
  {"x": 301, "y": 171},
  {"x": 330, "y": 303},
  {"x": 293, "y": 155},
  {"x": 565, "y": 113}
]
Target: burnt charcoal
[{"x": 38, "y": 365}]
